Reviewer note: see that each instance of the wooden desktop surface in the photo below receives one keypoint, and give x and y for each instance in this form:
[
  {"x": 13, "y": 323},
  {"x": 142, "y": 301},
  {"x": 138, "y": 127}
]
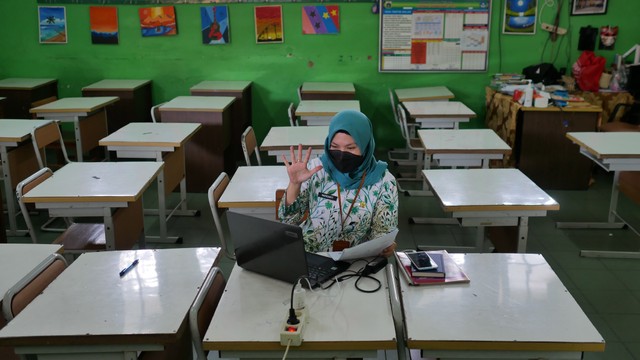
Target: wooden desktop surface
[
  {"x": 220, "y": 86},
  {"x": 514, "y": 302},
  {"x": 438, "y": 109},
  {"x": 462, "y": 141},
  {"x": 283, "y": 137},
  {"x": 198, "y": 103},
  {"x": 75, "y": 105},
  {"x": 17, "y": 260},
  {"x": 116, "y": 84},
  {"x": 331, "y": 87},
  {"x": 148, "y": 305},
  {"x": 254, "y": 186},
  {"x": 13, "y": 131},
  {"x": 604, "y": 145},
  {"x": 24, "y": 83},
  {"x": 424, "y": 94},
  {"x": 498, "y": 190},
  {"x": 325, "y": 107},
  {"x": 146, "y": 135}
]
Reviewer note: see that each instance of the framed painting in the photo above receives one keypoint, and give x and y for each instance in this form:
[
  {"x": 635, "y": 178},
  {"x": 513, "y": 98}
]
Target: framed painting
[
  {"x": 52, "y": 24},
  {"x": 103, "y": 21},
  {"x": 158, "y": 21},
  {"x": 520, "y": 17},
  {"x": 268, "y": 21},
  {"x": 323, "y": 19},
  {"x": 589, "y": 7},
  {"x": 215, "y": 25}
]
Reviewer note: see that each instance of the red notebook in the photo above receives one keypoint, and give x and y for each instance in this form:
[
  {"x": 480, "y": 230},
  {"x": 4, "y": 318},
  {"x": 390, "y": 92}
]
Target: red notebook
[{"x": 453, "y": 273}]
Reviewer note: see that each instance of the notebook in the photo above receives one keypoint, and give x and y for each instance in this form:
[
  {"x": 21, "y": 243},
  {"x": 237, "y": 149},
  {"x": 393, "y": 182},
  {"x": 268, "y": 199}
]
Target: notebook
[{"x": 276, "y": 250}]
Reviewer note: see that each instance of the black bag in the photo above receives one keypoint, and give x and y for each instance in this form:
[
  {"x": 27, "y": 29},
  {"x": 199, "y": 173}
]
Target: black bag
[{"x": 544, "y": 73}]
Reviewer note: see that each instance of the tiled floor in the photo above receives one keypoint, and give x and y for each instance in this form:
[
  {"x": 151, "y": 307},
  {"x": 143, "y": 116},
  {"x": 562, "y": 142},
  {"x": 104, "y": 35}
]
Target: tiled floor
[{"x": 608, "y": 290}]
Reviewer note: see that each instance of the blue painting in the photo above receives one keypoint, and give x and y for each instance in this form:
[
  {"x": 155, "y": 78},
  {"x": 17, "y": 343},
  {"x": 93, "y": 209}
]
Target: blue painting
[
  {"x": 52, "y": 23},
  {"x": 215, "y": 25}
]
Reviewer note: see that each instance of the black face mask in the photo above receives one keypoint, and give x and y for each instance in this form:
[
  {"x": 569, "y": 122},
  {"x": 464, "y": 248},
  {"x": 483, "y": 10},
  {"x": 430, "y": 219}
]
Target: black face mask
[{"x": 345, "y": 161}]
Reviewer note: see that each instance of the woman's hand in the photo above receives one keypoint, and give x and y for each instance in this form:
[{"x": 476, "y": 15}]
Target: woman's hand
[
  {"x": 297, "y": 168},
  {"x": 389, "y": 250}
]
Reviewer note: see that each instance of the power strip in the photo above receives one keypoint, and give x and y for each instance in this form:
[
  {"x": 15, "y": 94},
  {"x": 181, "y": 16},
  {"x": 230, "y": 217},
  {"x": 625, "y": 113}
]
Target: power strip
[
  {"x": 551, "y": 28},
  {"x": 293, "y": 332}
]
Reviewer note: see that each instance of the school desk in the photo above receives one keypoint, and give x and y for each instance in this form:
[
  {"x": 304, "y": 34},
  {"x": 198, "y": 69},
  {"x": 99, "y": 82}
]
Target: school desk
[
  {"x": 241, "y": 107},
  {"x": 327, "y": 91},
  {"x": 612, "y": 151},
  {"x": 135, "y": 100},
  {"x": 463, "y": 147},
  {"x": 439, "y": 114},
  {"x": 252, "y": 190},
  {"x": 3, "y": 100},
  {"x": 162, "y": 142},
  {"x": 514, "y": 307},
  {"x": 343, "y": 322},
  {"x": 279, "y": 140},
  {"x": 207, "y": 154},
  {"x": 21, "y": 93},
  {"x": 431, "y": 93},
  {"x": 96, "y": 189},
  {"x": 91, "y": 312},
  {"x": 320, "y": 112},
  {"x": 18, "y": 161},
  {"x": 489, "y": 197},
  {"x": 88, "y": 115}
]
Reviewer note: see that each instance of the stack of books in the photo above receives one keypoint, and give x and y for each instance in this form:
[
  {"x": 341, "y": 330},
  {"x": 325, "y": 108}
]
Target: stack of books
[
  {"x": 502, "y": 79},
  {"x": 447, "y": 272}
]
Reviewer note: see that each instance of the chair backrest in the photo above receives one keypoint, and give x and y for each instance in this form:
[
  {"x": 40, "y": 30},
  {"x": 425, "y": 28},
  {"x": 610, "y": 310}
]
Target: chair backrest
[
  {"x": 203, "y": 308},
  {"x": 279, "y": 195},
  {"x": 30, "y": 286},
  {"x": 394, "y": 110},
  {"x": 23, "y": 188},
  {"x": 402, "y": 115},
  {"x": 214, "y": 193},
  {"x": 45, "y": 135},
  {"x": 292, "y": 115},
  {"x": 155, "y": 112},
  {"x": 299, "y": 93},
  {"x": 250, "y": 146}
]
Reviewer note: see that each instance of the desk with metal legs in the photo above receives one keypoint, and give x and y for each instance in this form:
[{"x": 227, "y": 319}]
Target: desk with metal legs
[
  {"x": 22, "y": 93},
  {"x": 320, "y": 112},
  {"x": 162, "y": 142},
  {"x": 279, "y": 140},
  {"x": 327, "y": 91},
  {"x": 431, "y": 93},
  {"x": 612, "y": 151},
  {"x": 439, "y": 114}
]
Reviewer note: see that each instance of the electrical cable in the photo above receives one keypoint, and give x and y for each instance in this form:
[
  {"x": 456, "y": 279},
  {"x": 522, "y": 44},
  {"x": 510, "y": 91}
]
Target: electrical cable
[
  {"x": 360, "y": 273},
  {"x": 287, "y": 350}
]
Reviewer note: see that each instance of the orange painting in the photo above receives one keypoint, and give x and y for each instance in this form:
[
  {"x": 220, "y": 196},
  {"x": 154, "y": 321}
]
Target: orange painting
[
  {"x": 103, "y": 21},
  {"x": 158, "y": 21},
  {"x": 269, "y": 24}
]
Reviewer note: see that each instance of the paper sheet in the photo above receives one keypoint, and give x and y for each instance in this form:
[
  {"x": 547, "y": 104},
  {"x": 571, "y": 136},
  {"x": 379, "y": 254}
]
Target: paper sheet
[{"x": 369, "y": 248}]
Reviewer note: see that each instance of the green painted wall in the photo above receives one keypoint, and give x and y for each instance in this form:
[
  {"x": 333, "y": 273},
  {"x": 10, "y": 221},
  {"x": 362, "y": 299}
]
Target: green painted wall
[{"x": 176, "y": 63}]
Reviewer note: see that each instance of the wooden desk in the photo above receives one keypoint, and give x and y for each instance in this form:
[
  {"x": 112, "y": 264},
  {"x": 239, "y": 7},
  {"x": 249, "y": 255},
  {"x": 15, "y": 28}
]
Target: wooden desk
[
  {"x": 241, "y": 108},
  {"x": 490, "y": 197},
  {"x": 279, "y": 140},
  {"x": 162, "y": 142},
  {"x": 612, "y": 151},
  {"x": 540, "y": 147},
  {"x": 327, "y": 91},
  {"x": 465, "y": 148},
  {"x": 88, "y": 115},
  {"x": 22, "y": 92},
  {"x": 320, "y": 112},
  {"x": 206, "y": 153},
  {"x": 514, "y": 307},
  {"x": 135, "y": 100},
  {"x": 432, "y": 93},
  {"x": 18, "y": 161},
  {"x": 3, "y": 100},
  {"x": 439, "y": 114},
  {"x": 96, "y": 190},
  {"x": 252, "y": 190},
  {"x": 349, "y": 324},
  {"x": 113, "y": 317}
]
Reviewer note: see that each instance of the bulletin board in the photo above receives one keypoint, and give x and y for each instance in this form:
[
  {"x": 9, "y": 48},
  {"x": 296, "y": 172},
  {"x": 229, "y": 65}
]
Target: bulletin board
[{"x": 434, "y": 36}]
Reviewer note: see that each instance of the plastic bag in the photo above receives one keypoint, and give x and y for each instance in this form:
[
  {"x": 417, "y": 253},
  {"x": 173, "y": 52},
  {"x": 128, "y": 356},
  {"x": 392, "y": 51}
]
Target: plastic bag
[{"x": 587, "y": 71}]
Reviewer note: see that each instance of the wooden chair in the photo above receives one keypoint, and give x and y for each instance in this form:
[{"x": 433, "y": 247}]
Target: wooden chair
[
  {"x": 250, "y": 146},
  {"x": 403, "y": 156},
  {"x": 214, "y": 193},
  {"x": 414, "y": 145},
  {"x": 203, "y": 308},
  {"x": 279, "y": 195},
  {"x": 155, "y": 112},
  {"x": 293, "y": 120}
]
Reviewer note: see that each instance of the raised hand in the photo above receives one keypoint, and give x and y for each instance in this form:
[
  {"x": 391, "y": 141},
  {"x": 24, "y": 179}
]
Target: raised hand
[{"x": 297, "y": 168}]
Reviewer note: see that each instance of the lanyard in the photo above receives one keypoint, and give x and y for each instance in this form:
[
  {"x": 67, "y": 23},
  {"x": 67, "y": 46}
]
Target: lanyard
[{"x": 343, "y": 220}]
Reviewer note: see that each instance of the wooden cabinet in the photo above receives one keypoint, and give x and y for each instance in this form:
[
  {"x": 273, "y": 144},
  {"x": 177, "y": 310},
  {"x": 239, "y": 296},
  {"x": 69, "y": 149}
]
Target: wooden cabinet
[{"x": 22, "y": 93}]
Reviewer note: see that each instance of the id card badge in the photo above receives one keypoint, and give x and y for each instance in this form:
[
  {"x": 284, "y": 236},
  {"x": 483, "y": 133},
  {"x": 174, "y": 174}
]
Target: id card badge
[{"x": 327, "y": 196}]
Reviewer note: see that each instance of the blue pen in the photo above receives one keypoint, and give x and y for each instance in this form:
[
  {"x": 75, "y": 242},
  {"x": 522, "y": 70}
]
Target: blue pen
[{"x": 124, "y": 271}]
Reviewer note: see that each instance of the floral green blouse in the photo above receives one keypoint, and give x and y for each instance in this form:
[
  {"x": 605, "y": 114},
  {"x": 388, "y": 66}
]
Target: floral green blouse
[{"x": 375, "y": 212}]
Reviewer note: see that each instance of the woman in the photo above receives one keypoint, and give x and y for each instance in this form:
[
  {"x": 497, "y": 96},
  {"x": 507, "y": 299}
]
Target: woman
[{"x": 349, "y": 196}]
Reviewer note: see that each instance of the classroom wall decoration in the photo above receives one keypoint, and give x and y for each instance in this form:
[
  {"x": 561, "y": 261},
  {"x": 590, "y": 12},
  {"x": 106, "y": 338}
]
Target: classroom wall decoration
[
  {"x": 158, "y": 21},
  {"x": 52, "y": 23},
  {"x": 520, "y": 17},
  {"x": 268, "y": 20},
  {"x": 320, "y": 19},
  {"x": 215, "y": 25},
  {"x": 434, "y": 36},
  {"x": 103, "y": 21}
]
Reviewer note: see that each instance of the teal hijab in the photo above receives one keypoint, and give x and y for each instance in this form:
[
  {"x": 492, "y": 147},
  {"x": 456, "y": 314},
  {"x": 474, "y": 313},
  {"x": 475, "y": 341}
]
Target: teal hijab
[{"x": 358, "y": 126}]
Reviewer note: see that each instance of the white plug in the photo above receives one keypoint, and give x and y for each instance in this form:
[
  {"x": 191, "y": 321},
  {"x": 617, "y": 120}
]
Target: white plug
[
  {"x": 299, "y": 297},
  {"x": 291, "y": 334}
]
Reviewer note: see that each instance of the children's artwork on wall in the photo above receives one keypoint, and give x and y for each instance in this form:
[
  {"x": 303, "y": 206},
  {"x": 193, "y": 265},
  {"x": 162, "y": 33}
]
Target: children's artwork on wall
[
  {"x": 52, "y": 22},
  {"x": 103, "y": 21},
  {"x": 215, "y": 25},
  {"x": 520, "y": 17},
  {"x": 608, "y": 35},
  {"x": 269, "y": 24},
  {"x": 320, "y": 19},
  {"x": 158, "y": 21}
]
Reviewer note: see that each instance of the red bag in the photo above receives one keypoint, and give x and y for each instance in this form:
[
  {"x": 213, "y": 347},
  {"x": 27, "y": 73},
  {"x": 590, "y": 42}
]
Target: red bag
[{"x": 587, "y": 71}]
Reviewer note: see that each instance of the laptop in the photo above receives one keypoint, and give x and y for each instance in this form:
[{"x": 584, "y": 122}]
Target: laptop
[{"x": 276, "y": 250}]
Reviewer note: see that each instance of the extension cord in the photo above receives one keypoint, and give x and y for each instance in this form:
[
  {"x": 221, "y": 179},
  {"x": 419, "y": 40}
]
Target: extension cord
[
  {"x": 293, "y": 332},
  {"x": 552, "y": 29}
]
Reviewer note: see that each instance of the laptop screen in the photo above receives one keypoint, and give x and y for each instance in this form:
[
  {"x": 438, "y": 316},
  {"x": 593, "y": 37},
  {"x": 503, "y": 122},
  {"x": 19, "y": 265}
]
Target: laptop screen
[{"x": 268, "y": 247}]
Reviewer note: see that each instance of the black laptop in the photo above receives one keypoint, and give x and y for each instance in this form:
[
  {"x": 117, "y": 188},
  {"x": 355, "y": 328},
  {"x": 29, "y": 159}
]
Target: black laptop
[{"x": 276, "y": 250}]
